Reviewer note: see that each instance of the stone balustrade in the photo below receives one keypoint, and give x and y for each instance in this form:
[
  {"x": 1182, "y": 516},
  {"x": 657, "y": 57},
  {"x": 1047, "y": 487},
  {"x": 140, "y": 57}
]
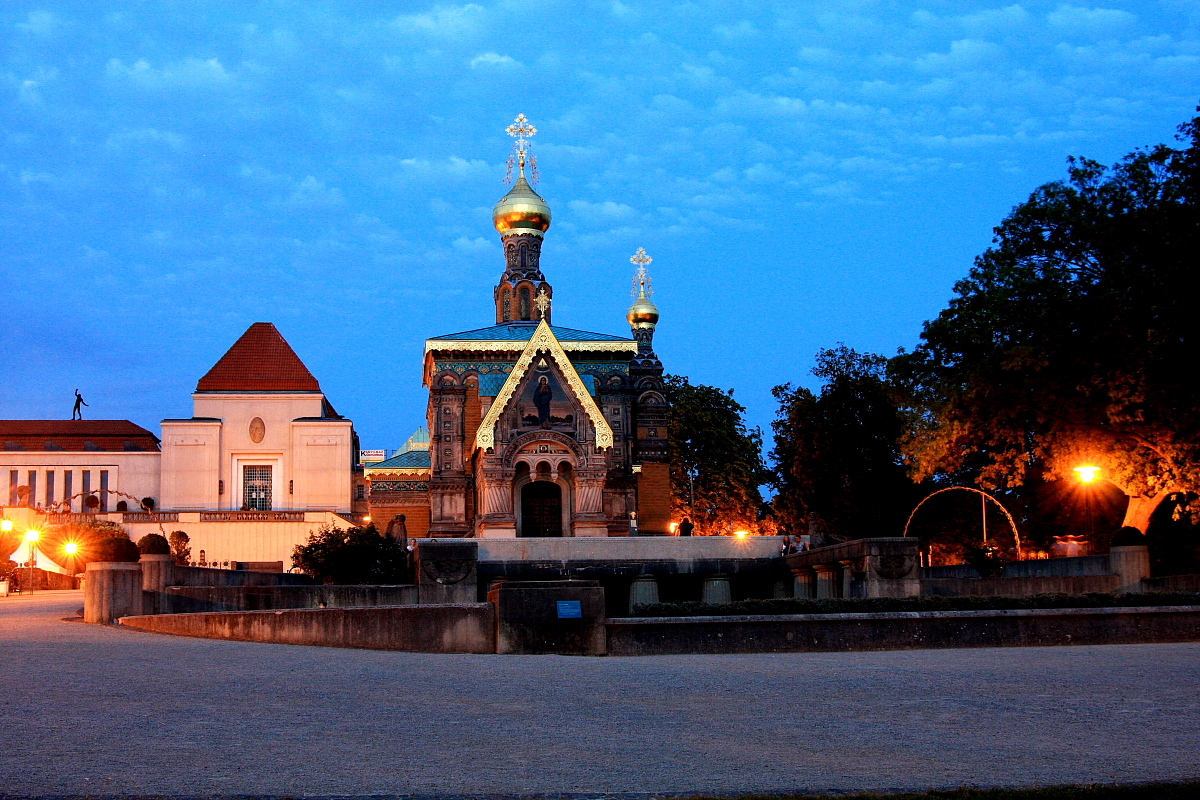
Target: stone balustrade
[{"x": 880, "y": 567}]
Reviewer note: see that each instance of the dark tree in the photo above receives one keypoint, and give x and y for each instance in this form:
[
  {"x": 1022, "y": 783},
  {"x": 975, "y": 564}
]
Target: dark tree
[
  {"x": 1072, "y": 340},
  {"x": 181, "y": 547},
  {"x": 354, "y": 556},
  {"x": 837, "y": 453},
  {"x": 716, "y": 461}
]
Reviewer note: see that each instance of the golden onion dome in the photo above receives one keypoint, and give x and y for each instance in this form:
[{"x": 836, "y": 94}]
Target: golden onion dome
[
  {"x": 642, "y": 313},
  {"x": 521, "y": 209}
]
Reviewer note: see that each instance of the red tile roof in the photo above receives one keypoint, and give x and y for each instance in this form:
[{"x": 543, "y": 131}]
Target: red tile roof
[
  {"x": 41, "y": 435},
  {"x": 260, "y": 361}
]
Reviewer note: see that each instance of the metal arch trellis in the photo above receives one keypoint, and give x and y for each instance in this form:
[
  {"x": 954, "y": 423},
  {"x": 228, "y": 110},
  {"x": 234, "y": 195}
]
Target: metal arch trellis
[
  {"x": 51, "y": 509},
  {"x": 1012, "y": 523}
]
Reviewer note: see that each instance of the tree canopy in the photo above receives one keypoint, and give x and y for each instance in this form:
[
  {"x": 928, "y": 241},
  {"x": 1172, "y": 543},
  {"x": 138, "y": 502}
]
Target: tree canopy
[
  {"x": 716, "y": 461},
  {"x": 837, "y": 453},
  {"x": 1073, "y": 338},
  {"x": 354, "y": 556}
]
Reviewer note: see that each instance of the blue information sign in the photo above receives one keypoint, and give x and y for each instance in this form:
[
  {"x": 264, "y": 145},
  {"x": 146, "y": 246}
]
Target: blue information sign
[{"x": 570, "y": 609}]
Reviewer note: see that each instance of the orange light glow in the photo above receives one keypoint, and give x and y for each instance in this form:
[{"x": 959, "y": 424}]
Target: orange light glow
[
  {"x": 674, "y": 528},
  {"x": 6, "y": 525},
  {"x": 33, "y": 536},
  {"x": 1087, "y": 474},
  {"x": 366, "y": 519},
  {"x": 741, "y": 534},
  {"x": 70, "y": 548}
]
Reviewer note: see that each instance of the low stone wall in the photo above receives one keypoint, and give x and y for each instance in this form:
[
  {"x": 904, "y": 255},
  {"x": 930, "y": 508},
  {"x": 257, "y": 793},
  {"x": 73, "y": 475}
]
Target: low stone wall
[
  {"x": 1172, "y": 583},
  {"x": 1018, "y": 587},
  {"x": 207, "y": 576},
  {"x": 459, "y": 628},
  {"x": 901, "y": 630},
  {"x": 196, "y": 599},
  {"x": 1075, "y": 566}
]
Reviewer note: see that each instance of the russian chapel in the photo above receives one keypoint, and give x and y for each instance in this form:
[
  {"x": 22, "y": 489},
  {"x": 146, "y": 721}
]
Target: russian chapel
[{"x": 540, "y": 430}]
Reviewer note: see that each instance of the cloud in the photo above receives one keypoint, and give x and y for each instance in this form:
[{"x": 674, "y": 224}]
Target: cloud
[
  {"x": 603, "y": 211},
  {"x": 474, "y": 245},
  {"x": 39, "y": 23},
  {"x": 191, "y": 72},
  {"x": 131, "y": 138},
  {"x": 312, "y": 193},
  {"x": 446, "y": 22},
  {"x": 964, "y": 54},
  {"x": 1089, "y": 20},
  {"x": 494, "y": 60},
  {"x": 740, "y": 30}
]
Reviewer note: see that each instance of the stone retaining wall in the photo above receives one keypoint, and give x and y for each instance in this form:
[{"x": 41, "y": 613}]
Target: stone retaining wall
[
  {"x": 195, "y": 599},
  {"x": 1018, "y": 587},
  {"x": 458, "y": 628},
  {"x": 901, "y": 630}
]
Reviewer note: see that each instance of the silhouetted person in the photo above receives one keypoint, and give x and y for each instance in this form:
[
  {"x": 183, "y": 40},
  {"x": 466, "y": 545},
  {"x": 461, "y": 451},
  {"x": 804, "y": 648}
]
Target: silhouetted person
[
  {"x": 77, "y": 413},
  {"x": 541, "y": 398},
  {"x": 686, "y": 527}
]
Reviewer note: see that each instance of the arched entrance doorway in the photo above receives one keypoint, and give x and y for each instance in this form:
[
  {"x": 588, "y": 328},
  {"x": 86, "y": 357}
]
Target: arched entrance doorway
[{"x": 541, "y": 509}]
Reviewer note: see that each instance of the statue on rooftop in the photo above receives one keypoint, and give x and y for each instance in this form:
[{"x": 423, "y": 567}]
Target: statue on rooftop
[{"x": 77, "y": 413}]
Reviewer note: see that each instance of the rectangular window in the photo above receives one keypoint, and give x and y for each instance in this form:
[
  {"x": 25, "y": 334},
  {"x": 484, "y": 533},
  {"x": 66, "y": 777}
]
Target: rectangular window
[
  {"x": 87, "y": 487},
  {"x": 13, "y": 479},
  {"x": 68, "y": 475},
  {"x": 49, "y": 488},
  {"x": 103, "y": 491},
  {"x": 256, "y": 488},
  {"x": 32, "y": 488}
]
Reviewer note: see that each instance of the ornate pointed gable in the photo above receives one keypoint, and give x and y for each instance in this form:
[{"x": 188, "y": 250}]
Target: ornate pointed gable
[
  {"x": 260, "y": 361},
  {"x": 542, "y": 341}
]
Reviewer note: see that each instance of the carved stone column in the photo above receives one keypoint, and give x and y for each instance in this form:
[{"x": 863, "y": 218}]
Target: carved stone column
[
  {"x": 827, "y": 577},
  {"x": 804, "y": 583}
]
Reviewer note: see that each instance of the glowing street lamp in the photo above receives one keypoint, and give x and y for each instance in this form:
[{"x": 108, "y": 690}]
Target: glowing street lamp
[
  {"x": 70, "y": 548},
  {"x": 32, "y": 535},
  {"x": 1088, "y": 475},
  {"x": 741, "y": 534}
]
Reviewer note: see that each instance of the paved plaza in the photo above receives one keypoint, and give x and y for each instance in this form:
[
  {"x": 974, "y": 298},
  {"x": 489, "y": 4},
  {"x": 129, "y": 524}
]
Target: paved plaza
[{"x": 102, "y": 711}]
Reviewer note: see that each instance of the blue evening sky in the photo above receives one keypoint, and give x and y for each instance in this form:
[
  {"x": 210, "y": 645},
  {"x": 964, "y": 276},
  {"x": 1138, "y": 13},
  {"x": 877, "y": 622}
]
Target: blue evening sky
[{"x": 802, "y": 173}]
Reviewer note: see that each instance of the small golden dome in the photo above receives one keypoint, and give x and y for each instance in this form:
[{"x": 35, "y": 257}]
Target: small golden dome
[
  {"x": 522, "y": 209},
  {"x": 642, "y": 313}
]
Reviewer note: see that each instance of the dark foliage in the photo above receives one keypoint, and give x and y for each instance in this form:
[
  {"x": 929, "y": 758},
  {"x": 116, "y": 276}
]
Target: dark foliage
[
  {"x": 837, "y": 453},
  {"x": 354, "y": 556},
  {"x": 716, "y": 461},
  {"x": 180, "y": 546},
  {"x": 1071, "y": 339},
  {"x": 115, "y": 549},
  {"x": 873, "y": 605},
  {"x": 154, "y": 544}
]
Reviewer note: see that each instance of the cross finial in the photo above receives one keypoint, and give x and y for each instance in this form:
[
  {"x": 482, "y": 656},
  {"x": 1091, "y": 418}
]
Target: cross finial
[
  {"x": 521, "y": 130},
  {"x": 543, "y": 301},
  {"x": 641, "y": 280}
]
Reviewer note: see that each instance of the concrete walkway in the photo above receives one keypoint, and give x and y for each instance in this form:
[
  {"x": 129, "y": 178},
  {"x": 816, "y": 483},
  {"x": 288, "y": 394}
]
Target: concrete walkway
[{"x": 102, "y": 711}]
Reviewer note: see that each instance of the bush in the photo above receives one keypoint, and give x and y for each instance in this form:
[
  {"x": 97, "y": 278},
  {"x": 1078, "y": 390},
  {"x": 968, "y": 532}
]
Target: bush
[
  {"x": 871, "y": 605},
  {"x": 154, "y": 544},
  {"x": 148, "y": 503},
  {"x": 181, "y": 547},
  {"x": 1128, "y": 537},
  {"x": 115, "y": 549},
  {"x": 354, "y": 556}
]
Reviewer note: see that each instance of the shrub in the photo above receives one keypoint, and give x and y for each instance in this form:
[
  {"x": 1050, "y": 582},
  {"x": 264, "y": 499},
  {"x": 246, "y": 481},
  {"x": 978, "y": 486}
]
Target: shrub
[
  {"x": 1128, "y": 537},
  {"x": 115, "y": 549},
  {"x": 148, "y": 503},
  {"x": 91, "y": 501},
  {"x": 181, "y": 547},
  {"x": 154, "y": 544},
  {"x": 354, "y": 556}
]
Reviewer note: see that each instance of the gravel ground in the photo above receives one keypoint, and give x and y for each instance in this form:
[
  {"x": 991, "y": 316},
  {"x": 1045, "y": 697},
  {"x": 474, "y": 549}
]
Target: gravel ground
[{"x": 99, "y": 711}]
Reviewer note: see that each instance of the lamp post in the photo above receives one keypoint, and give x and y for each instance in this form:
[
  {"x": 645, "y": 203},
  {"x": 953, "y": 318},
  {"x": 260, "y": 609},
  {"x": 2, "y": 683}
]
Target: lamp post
[
  {"x": 32, "y": 536},
  {"x": 1087, "y": 475}
]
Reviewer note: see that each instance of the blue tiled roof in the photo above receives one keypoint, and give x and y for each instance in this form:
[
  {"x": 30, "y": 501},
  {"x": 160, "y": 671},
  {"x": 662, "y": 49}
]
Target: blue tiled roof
[
  {"x": 413, "y": 459},
  {"x": 490, "y": 385},
  {"x": 521, "y": 332}
]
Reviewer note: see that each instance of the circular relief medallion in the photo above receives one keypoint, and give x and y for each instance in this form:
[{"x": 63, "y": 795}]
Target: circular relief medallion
[{"x": 257, "y": 430}]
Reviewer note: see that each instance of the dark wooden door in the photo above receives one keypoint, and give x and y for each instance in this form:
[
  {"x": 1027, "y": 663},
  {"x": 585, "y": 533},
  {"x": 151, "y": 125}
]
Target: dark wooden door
[{"x": 541, "y": 509}]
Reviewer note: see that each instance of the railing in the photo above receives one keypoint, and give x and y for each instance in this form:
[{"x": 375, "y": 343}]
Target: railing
[
  {"x": 152, "y": 516},
  {"x": 252, "y": 516},
  {"x": 53, "y": 518}
]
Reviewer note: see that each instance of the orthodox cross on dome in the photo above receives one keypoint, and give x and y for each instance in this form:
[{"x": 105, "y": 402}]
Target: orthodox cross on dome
[
  {"x": 641, "y": 281},
  {"x": 521, "y": 130},
  {"x": 543, "y": 301}
]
